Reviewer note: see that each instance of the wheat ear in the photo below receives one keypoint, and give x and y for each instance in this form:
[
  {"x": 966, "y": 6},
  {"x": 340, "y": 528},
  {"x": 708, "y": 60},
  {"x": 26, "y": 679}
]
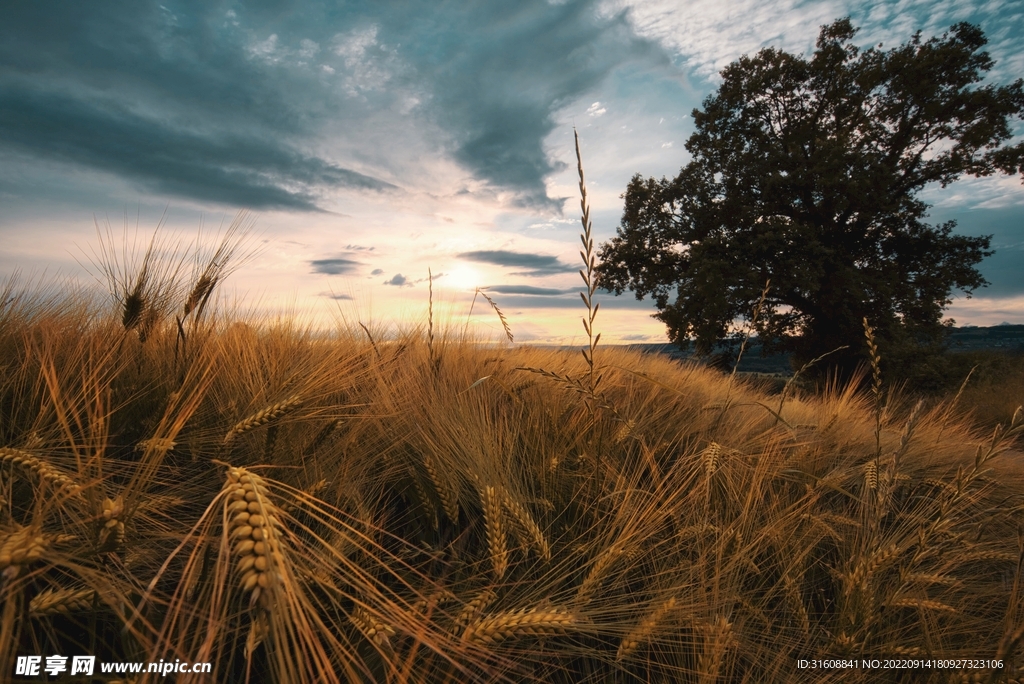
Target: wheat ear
[
  {"x": 494, "y": 526},
  {"x": 19, "y": 549},
  {"x": 717, "y": 640},
  {"x": 501, "y": 315},
  {"x": 259, "y": 630},
  {"x": 425, "y": 501},
  {"x": 710, "y": 458},
  {"x": 63, "y": 601},
  {"x": 43, "y": 470},
  {"x": 267, "y": 415},
  {"x": 922, "y": 604},
  {"x": 527, "y": 526},
  {"x": 254, "y": 526},
  {"x": 511, "y": 623},
  {"x": 643, "y": 631},
  {"x": 597, "y": 572},
  {"x": 449, "y": 501},
  {"x": 475, "y": 606},
  {"x": 111, "y": 534},
  {"x": 375, "y": 629}
]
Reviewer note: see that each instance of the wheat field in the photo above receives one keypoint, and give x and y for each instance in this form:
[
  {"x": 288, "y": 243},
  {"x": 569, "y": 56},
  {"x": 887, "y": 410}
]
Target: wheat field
[{"x": 296, "y": 505}]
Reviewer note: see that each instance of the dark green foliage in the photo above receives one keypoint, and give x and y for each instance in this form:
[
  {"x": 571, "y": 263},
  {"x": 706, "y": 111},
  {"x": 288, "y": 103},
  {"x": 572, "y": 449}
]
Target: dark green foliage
[{"x": 806, "y": 172}]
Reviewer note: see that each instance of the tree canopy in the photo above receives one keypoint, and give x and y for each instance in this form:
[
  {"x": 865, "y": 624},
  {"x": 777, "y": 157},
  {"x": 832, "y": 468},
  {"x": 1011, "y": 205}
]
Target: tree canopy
[{"x": 806, "y": 172}]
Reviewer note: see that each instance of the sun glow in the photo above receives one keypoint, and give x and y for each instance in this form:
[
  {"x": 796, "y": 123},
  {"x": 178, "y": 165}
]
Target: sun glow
[{"x": 463, "y": 277}]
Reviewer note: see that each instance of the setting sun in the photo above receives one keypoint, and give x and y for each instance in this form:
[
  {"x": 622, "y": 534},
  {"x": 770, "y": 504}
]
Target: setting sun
[{"x": 462, "y": 277}]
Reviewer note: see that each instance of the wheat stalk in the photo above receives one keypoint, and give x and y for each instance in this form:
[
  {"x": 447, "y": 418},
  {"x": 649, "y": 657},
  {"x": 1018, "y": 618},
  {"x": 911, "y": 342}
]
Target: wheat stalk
[
  {"x": 511, "y": 623},
  {"x": 876, "y": 385},
  {"x": 373, "y": 343},
  {"x": 254, "y": 524},
  {"x": 588, "y": 275},
  {"x": 267, "y": 415},
  {"x": 758, "y": 308},
  {"x": 643, "y": 631},
  {"x": 803, "y": 368},
  {"x": 435, "y": 356}
]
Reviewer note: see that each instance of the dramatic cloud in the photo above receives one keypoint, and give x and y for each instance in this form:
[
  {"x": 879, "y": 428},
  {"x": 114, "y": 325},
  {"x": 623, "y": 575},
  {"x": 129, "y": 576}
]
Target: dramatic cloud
[
  {"x": 500, "y": 71},
  {"x": 226, "y": 105},
  {"x": 335, "y": 266},
  {"x": 536, "y": 264}
]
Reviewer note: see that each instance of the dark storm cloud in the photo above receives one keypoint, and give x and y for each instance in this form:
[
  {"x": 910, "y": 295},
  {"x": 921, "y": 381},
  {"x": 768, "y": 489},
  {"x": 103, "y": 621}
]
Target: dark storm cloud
[
  {"x": 536, "y": 264},
  {"x": 526, "y": 290},
  {"x": 224, "y": 102},
  {"x": 335, "y": 266}
]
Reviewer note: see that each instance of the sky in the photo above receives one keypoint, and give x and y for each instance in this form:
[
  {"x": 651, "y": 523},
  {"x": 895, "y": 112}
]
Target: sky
[{"x": 377, "y": 142}]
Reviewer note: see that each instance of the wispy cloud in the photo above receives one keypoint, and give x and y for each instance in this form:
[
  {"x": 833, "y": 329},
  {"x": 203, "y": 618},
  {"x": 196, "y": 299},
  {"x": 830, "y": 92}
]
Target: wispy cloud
[
  {"x": 526, "y": 290},
  {"x": 335, "y": 265},
  {"x": 536, "y": 264},
  {"x": 706, "y": 35}
]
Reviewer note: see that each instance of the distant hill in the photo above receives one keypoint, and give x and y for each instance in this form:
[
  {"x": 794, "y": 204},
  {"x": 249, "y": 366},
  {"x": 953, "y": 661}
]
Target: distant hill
[{"x": 1005, "y": 337}]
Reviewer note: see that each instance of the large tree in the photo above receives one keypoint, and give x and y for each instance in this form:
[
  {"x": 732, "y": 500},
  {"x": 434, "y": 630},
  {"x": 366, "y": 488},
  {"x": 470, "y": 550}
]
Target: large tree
[{"x": 806, "y": 172}]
